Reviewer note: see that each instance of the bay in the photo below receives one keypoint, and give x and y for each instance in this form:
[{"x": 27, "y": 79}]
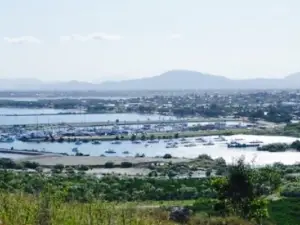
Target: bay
[{"x": 218, "y": 150}]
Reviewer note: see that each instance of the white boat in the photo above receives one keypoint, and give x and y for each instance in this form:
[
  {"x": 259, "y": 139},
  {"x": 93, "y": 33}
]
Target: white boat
[
  {"x": 78, "y": 142},
  {"x": 96, "y": 142},
  {"x": 110, "y": 151},
  {"x": 209, "y": 143},
  {"x": 116, "y": 142},
  {"x": 200, "y": 139},
  {"x": 220, "y": 138},
  {"x": 190, "y": 145},
  {"x": 153, "y": 141},
  {"x": 172, "y": 145},
  {"x": 256, "y": 142}
]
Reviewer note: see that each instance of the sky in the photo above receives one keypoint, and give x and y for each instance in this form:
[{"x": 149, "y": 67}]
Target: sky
[{"x": 98, "y": 40}]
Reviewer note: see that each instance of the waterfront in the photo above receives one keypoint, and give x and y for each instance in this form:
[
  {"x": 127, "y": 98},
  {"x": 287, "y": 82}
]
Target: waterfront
[
  {"x": 26, "y": 111},
  {"x": 159, "y": 149},
  {"x": 74, "y": 118}
]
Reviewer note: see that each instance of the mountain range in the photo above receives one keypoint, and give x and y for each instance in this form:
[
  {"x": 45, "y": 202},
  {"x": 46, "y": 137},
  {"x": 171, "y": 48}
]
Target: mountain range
[{"x": 171, "y": 80}]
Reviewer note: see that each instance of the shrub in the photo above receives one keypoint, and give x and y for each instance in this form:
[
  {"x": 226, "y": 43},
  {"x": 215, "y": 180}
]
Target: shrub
[
  {"x": 167, "y": 156},
  {"x": 30, "y": 165},
  {"x": 83, "y": 168},
  {"x": 7, "y": 163},
  {"x": 109, "y": 165},
  {"x": 126, "y": 164},
  {"x": 59, "y": 167},
  {"x": 205, "y": 157}
]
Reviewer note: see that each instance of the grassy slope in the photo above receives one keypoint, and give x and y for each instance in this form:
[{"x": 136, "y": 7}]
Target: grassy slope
[
  {"x": 16, "y": 209},
  {"x": 285, "y": 211}
]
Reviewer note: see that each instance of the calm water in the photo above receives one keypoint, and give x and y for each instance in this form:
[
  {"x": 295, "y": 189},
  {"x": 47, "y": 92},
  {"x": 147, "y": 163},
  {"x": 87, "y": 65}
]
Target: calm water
[
  {"x": 24, "y": 111},
  {"x": 218, "y": 150},
  {"x": 10, "y": 120},
  {"x": 68, "y": 97}
]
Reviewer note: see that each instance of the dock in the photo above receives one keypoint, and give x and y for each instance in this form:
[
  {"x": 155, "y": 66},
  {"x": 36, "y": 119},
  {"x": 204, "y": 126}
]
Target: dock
[
  {"x": 26, "y": 152},
  {"x": 97, "y": 161},
  {"x": 124, "y": 123}
]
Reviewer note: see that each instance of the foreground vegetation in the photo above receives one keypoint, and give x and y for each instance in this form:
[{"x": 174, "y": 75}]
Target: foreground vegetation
[{"x": 244, "y": 195}]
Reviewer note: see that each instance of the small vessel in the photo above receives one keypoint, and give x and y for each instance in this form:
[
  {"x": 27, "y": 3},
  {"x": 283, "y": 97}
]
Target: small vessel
[
  {"x": 220, "y": 138},
  {"x": 78, "y": 142},
  {"x": 153, "y": 141},
  {"x": 125, "y": 152},
  {"x": 96, "y": 142},
  {"x": 116, "y": 142},
  {"x": 136, "y": 142},
  {"x": 190, "y": 145},
  {"x": 209, "y": 143},
  {"x": 256, "y": 142},
  {"x": 7, "y": 139},
  {"x": 110, "y": 151},
  {"x": 238, "y": 139},
  {"x": 241, "y": 145},
  {"x": 200, "y": 139},
  {"x": 146, "y": 145},
  {"x": 182, "y": 139},
  {"x": 172, "y": 145},
  {"x": 75, "y": 150}
]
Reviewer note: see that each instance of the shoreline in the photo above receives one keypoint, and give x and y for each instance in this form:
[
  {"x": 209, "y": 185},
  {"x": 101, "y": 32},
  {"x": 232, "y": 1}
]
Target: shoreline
[
  {"x": 156, "y": 135},
  {"x": 137, "y": 122}
]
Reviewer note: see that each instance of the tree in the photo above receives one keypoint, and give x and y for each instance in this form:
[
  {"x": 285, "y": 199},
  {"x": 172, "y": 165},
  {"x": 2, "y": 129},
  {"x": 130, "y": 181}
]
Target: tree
[
  {"x": 152, "y": 137},
  {"x": 208, "y": 172},
  {"x": 58, "y": 168},
  {"x": 172, "y": 174},
  {"x": 239, "y": 193},
  {"x": 176, "y": 135},
  {"x": 126, "y": 164},
  {"x": 167, "y": 156},
  {"x": 133, "y": 137},
  {"x": 143, "y": 137},
  {"x": 109, "y": 165}
]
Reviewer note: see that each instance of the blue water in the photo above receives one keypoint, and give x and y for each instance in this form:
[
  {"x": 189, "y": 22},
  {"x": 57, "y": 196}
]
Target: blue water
[
  {"x": 27, "y": 119},
  {"x": 159, "y": 149}
]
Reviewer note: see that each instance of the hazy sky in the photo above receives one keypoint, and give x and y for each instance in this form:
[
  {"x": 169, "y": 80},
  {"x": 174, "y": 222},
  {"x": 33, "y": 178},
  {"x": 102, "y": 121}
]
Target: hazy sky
[{"x": 120, "y": 39}]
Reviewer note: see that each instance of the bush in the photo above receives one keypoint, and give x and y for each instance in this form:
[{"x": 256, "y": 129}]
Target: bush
[
  {"x": 126, "y": 164},
  {"x": 275, "y": 147},
  {"x": 167, "y": 156},
  {"x": 220, "y": 162},
  {"x": 30, "y": 165},
  {"x": 83, "y": 168},
  {"x": 59, "y": 167},
  {"x": 208, "y": 172},
  {"x": 7, "y": 163},
  {"x": 137, "y": 155},
  {"x": 205, "y": 157},
  {"x": 109, "y": 165}
]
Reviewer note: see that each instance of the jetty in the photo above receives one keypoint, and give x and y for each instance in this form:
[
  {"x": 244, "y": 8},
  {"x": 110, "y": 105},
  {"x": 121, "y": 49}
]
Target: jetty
[
  {"x": 27, "y": 152},
  {"x": 124, "y": 123}
]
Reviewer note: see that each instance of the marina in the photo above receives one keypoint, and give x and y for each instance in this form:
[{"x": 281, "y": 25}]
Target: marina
[{"x": 175, "y": 148}]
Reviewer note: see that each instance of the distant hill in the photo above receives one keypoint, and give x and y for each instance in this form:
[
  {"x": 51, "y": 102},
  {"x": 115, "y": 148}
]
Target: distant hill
[
  {"x": 185, "y": 79},
  {"x": 171, "y": 80}
]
